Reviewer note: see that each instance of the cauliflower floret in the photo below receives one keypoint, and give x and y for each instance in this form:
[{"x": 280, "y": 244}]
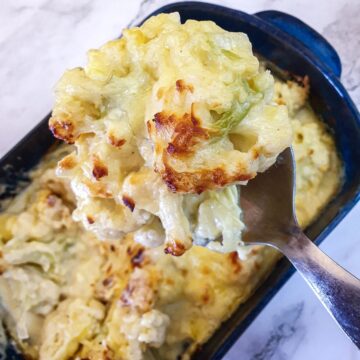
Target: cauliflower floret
[
  {"x": 291, "y": 94},
  {"x": 74, "y": 321},
  {"x": 27, "y": 294},
  {"x": 149, "y": 328},
  {"x": 318, "y": 168},
  {"x": 153, "y": 325}
]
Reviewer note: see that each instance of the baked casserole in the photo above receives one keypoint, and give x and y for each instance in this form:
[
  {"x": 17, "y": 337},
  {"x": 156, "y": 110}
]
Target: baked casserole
[{"x": 84, "y": 272}]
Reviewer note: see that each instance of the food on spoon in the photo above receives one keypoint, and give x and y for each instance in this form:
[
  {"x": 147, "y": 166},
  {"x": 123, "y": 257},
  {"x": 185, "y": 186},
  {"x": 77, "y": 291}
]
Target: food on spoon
[{"x": 169, "y": 115}]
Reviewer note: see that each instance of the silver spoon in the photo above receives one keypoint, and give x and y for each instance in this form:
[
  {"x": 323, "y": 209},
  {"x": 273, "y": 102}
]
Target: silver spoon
[{"x": 268, "y": 213}]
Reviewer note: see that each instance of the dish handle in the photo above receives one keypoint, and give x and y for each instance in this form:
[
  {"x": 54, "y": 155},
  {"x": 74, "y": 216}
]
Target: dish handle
[{"x": 318, "y": 47}]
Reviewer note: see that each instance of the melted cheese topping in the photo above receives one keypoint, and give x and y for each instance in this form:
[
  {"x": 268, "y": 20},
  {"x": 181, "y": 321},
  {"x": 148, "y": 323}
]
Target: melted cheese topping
[
  {"x": 169, "y": 109},
  {"x": 68, "y": 295},
  {"x": 318, "y": 169}
]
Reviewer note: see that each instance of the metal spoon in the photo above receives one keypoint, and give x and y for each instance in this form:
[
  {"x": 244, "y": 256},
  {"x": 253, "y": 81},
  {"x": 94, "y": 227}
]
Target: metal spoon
[{"x": 268, "y": 213}]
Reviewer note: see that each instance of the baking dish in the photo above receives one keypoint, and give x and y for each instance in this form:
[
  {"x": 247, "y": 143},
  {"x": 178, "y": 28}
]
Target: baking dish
[{"x": 295, "y": 49}]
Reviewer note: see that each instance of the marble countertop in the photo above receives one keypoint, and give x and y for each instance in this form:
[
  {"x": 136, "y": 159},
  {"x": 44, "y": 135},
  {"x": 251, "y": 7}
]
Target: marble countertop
[{"x": 39, "y": 39}]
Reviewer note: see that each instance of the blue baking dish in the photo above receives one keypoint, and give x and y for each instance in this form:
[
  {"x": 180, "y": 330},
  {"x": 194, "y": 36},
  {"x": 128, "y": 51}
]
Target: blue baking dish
[{"x": 296, "y": 49}]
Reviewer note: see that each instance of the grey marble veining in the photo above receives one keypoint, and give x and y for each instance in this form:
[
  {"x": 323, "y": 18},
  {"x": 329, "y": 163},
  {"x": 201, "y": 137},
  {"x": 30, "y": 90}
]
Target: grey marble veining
[
  {"x": 40, "y": 38},
  {"x": 287, "y": 326}
]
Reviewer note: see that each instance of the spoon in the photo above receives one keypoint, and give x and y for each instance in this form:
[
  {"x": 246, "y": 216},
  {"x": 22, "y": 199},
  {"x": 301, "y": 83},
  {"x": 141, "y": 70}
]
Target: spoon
[{"x": 268, "y": 213}]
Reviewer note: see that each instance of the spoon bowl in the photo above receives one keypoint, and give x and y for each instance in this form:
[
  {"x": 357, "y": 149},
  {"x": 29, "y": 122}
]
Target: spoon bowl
[{"x": 267, "y": 202}]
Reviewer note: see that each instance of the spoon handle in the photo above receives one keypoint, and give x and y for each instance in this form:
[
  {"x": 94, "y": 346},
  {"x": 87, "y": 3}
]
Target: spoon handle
[{"x": 337, "y": 289}]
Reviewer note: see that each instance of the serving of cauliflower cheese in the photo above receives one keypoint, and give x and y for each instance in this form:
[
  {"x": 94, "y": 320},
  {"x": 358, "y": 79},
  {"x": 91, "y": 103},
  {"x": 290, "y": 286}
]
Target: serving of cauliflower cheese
[
  {"x": 165, "y": 122},
  {"x": 161, "y": 125}
]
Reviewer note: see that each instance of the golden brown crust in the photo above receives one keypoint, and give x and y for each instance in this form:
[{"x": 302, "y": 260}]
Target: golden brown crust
[
  {"x": 206, "y": 296},
  {"x": 116, "y": 142},
  {"x": 129, "y": 202},
  {"x": 201, "y": 180},
  {"x": 90, "y": 219},
  {"x": 63, "y": 129},
  {"x": 280, "y": 101},
  {"x": 137, "y": 259},
  {"x": 185, "y": 133},
  {"x": 182, "y": 86},
  {"x": 255, "y": 153},
  {"x": 100, "y": 169},
  {"x": 107, "y": 282},
  {"x": 175, "y": 249},
  {"x": 97, "y": 189},
  {"x": 139, "y": 293},
  {"x": 235, "y": 261},
  {"x": 68, "y": 162}
]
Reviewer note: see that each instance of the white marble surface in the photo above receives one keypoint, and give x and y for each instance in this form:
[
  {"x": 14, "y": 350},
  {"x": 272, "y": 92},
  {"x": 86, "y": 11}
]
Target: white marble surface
[{"x": 39, "y": 39}]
